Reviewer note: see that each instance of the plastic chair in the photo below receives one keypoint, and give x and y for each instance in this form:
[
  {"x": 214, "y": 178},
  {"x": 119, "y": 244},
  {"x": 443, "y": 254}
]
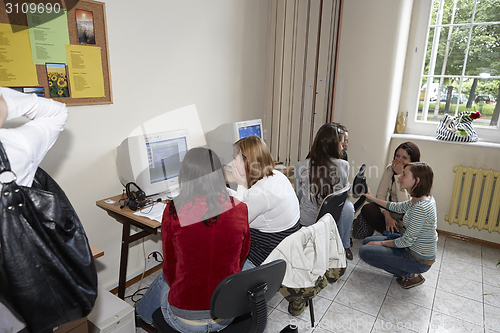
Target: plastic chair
[
  {"x": 242, "y": 296},
  {"x": 333, "y": 204}
]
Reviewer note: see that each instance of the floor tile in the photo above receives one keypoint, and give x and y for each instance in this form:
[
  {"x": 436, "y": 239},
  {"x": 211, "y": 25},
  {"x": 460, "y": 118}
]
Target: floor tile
[
  {"x": 459, "y": 307},
  {"x": 320, "y": 330},
  {"x": 463, "y": 251},
  {"x": 491, "y": 257},
  {"x": 277, "y": 320},
  {"x": 491, "y": 276},
  {"x": 341, "y": 318},
  {"x": 364, "y": 300},
  {"x": 348, "y": 271},
  {"x": 441, "y": 323},
  {"x": 422, "y": 295},
  {"x": 491, "y": 318},
  {"x": 404, "y": 314},
  {"x": 492, "y": 296},
  {"x": 370, "y": 278},
  {"x": 461, "y": 268},
  {"x": 460, "y": 286},
  {"x": 382, "y": 326}
]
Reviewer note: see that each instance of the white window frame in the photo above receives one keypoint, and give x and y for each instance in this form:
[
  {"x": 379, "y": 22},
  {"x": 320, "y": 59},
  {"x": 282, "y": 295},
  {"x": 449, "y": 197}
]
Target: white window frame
[{"x": 415, "y": 59}]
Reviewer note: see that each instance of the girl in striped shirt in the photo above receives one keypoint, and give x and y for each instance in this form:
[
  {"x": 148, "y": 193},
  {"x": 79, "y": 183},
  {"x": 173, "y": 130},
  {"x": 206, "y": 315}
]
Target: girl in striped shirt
[{"x": 413, "y": 253}]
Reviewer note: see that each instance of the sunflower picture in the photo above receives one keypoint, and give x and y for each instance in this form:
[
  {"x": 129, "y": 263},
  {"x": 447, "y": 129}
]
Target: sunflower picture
[{"x": 58, "y": 80}]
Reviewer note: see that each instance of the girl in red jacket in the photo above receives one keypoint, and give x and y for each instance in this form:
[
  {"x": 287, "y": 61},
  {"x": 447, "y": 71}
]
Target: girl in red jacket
[{"x": 206, "y": 237}]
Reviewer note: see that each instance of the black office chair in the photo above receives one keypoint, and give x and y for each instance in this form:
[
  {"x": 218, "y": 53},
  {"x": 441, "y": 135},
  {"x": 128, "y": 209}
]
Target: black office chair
[
  {"x": 359, "y": 187},
  {"x": 242, "y": 296},
  {"x": 333, "y": 204}
]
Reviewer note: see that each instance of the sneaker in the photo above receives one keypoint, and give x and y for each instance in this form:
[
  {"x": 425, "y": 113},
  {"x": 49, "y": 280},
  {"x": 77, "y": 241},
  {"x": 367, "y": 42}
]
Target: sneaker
[{"x": 408, "y": 283}]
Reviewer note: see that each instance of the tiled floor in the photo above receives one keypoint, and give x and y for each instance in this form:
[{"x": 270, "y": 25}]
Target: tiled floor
[{"x": 461, "y": 294}]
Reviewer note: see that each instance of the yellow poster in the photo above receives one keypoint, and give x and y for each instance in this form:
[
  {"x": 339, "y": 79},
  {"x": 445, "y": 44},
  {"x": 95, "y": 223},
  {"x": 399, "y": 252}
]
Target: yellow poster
[
  {"x": 16, "y": 66},
  {"x": 85, "y": 71}
]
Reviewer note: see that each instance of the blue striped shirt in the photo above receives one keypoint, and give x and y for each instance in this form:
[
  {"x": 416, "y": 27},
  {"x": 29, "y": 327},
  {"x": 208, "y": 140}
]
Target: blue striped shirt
[{"x": 420, "y": 220}]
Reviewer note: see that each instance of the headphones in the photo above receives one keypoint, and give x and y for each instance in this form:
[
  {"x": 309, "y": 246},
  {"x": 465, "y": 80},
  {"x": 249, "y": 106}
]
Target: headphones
[{"x": 133, "y": 197}]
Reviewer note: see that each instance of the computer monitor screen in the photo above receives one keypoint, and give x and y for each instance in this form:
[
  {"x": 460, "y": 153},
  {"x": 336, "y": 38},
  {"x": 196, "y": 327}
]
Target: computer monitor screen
[
  {"x": 165, "y": 158},
  {"x": 152, "y": 161},
  {"x": 249, "y": 131},
  {"x": 222, "y": 138}
]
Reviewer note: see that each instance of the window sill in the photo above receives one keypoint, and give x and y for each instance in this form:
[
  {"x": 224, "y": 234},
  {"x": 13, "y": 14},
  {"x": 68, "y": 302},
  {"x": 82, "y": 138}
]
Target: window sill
[{"x": 417, "y": 137}]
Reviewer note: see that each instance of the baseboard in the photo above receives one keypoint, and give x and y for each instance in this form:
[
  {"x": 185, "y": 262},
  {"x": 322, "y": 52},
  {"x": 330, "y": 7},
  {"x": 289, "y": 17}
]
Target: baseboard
[
  {"x": 468, "y": 239},
  {"x": 138, "y": 278}
]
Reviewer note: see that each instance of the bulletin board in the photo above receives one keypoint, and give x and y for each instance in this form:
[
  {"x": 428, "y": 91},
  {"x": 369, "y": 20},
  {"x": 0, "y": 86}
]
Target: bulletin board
[{"x": 13, "y": 12}]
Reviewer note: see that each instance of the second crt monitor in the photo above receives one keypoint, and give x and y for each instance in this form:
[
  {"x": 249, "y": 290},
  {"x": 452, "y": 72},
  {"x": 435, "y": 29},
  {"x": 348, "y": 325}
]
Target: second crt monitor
[
  {"x": 222, "y": 138},
  {"x": 153, "y": 161}
]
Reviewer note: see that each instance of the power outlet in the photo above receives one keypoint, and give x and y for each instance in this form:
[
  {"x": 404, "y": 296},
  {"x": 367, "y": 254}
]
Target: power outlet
[{"x": 151, "y": 262}]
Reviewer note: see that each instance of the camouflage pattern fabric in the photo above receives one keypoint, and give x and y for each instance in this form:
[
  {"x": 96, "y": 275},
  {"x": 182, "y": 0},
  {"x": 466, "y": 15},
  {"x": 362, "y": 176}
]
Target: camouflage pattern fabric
[{"x": 298, "y": 297}]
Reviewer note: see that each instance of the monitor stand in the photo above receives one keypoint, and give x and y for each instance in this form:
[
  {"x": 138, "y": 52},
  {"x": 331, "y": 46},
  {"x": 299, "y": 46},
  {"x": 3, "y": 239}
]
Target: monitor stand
[{"x": 167, "y": 195}]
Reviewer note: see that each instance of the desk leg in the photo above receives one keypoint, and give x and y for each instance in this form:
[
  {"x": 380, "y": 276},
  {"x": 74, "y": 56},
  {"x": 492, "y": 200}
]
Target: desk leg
[{"x": 122, "y": 278}]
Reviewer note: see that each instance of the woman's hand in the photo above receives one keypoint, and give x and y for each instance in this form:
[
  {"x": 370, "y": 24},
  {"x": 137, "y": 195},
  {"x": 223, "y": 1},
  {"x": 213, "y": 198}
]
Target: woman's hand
[
  {"x": 397, "y": 167},
  {"x": 391, "y": 225},
  {"x": 368, "y": 194},
  {"x": 238, "y": 168}
]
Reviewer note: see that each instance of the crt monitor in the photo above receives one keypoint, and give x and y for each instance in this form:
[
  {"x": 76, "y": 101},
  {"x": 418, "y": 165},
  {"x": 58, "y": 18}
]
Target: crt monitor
[
  {"x": 222, "y": 138},
  {"x": 153, "y": 161}
]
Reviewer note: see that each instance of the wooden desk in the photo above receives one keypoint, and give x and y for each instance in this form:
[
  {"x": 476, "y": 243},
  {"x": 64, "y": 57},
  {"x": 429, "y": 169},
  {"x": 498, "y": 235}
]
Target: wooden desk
[
  {"x": 126, "y": 217},
  {"x": 96, "y": 253}
]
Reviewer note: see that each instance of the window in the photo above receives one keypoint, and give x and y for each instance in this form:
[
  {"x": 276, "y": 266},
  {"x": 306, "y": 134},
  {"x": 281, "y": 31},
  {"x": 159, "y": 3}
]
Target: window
[{"x": 460, "y": 68}]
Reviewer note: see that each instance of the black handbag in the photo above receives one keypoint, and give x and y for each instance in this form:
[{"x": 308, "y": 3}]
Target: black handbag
[{"x": 47, "y": 269}]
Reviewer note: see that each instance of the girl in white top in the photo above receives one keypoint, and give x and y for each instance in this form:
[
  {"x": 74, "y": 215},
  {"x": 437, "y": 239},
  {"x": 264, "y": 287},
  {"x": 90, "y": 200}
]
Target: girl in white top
[{"x": 273, "y": 208}]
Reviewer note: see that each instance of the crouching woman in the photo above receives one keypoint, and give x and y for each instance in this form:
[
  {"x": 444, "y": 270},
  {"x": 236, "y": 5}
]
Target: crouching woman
[{"x": 413, "y": 253}]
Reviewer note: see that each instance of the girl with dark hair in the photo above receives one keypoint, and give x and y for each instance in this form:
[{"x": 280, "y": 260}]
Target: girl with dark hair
[
  {"x": 414, "y": 252},
  {"x": 325, "y": 172},
  {"x": 390, "y": 189},
  {"x": 206, "y": 238}
]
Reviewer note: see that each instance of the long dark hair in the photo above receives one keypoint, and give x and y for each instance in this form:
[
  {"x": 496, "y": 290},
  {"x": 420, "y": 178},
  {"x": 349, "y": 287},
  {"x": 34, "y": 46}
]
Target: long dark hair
[
  {"x": 202, "y": 175},
  {"x": 322, "y": 175}
]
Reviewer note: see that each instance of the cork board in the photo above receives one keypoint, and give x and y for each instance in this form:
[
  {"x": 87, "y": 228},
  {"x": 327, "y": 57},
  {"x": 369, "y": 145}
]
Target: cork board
[{"x": 11, "y": 12}]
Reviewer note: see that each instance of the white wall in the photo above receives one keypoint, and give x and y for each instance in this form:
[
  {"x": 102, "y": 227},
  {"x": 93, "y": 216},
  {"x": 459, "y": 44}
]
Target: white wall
[
  {"x": 371, "y": 61},
  {"x": 164, "y": 54}
]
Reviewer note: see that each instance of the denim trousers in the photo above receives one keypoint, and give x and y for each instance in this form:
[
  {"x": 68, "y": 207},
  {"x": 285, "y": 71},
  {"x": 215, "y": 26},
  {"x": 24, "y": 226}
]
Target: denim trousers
[
  {"x": 157, "y": 296},
  {"x": 345, "y": 223},
  {"x": 397, "y": 261}
]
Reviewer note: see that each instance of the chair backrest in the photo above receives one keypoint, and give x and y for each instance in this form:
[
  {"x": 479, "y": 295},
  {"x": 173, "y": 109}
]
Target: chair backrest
[
  {"x": 333, "y": 204},
  {"x": 230, "y": 297}
]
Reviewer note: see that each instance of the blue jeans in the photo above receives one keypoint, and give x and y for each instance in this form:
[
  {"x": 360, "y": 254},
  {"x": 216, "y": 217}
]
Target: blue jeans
[
  {"x": 157, "y": 296},
  {"x": 396, "y": 261},
  {"x": 345, "y": 223}
]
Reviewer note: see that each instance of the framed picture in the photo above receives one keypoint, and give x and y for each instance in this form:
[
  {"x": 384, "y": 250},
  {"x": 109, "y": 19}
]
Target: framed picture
[
  {"x": 85, "y": 26},
  {"x": 39, "y": 91},
  {"x": 58, "y": 80}
]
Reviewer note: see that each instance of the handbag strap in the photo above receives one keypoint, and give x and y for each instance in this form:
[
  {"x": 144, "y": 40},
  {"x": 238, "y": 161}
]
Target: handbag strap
[{"x": 4, "y": 161}]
